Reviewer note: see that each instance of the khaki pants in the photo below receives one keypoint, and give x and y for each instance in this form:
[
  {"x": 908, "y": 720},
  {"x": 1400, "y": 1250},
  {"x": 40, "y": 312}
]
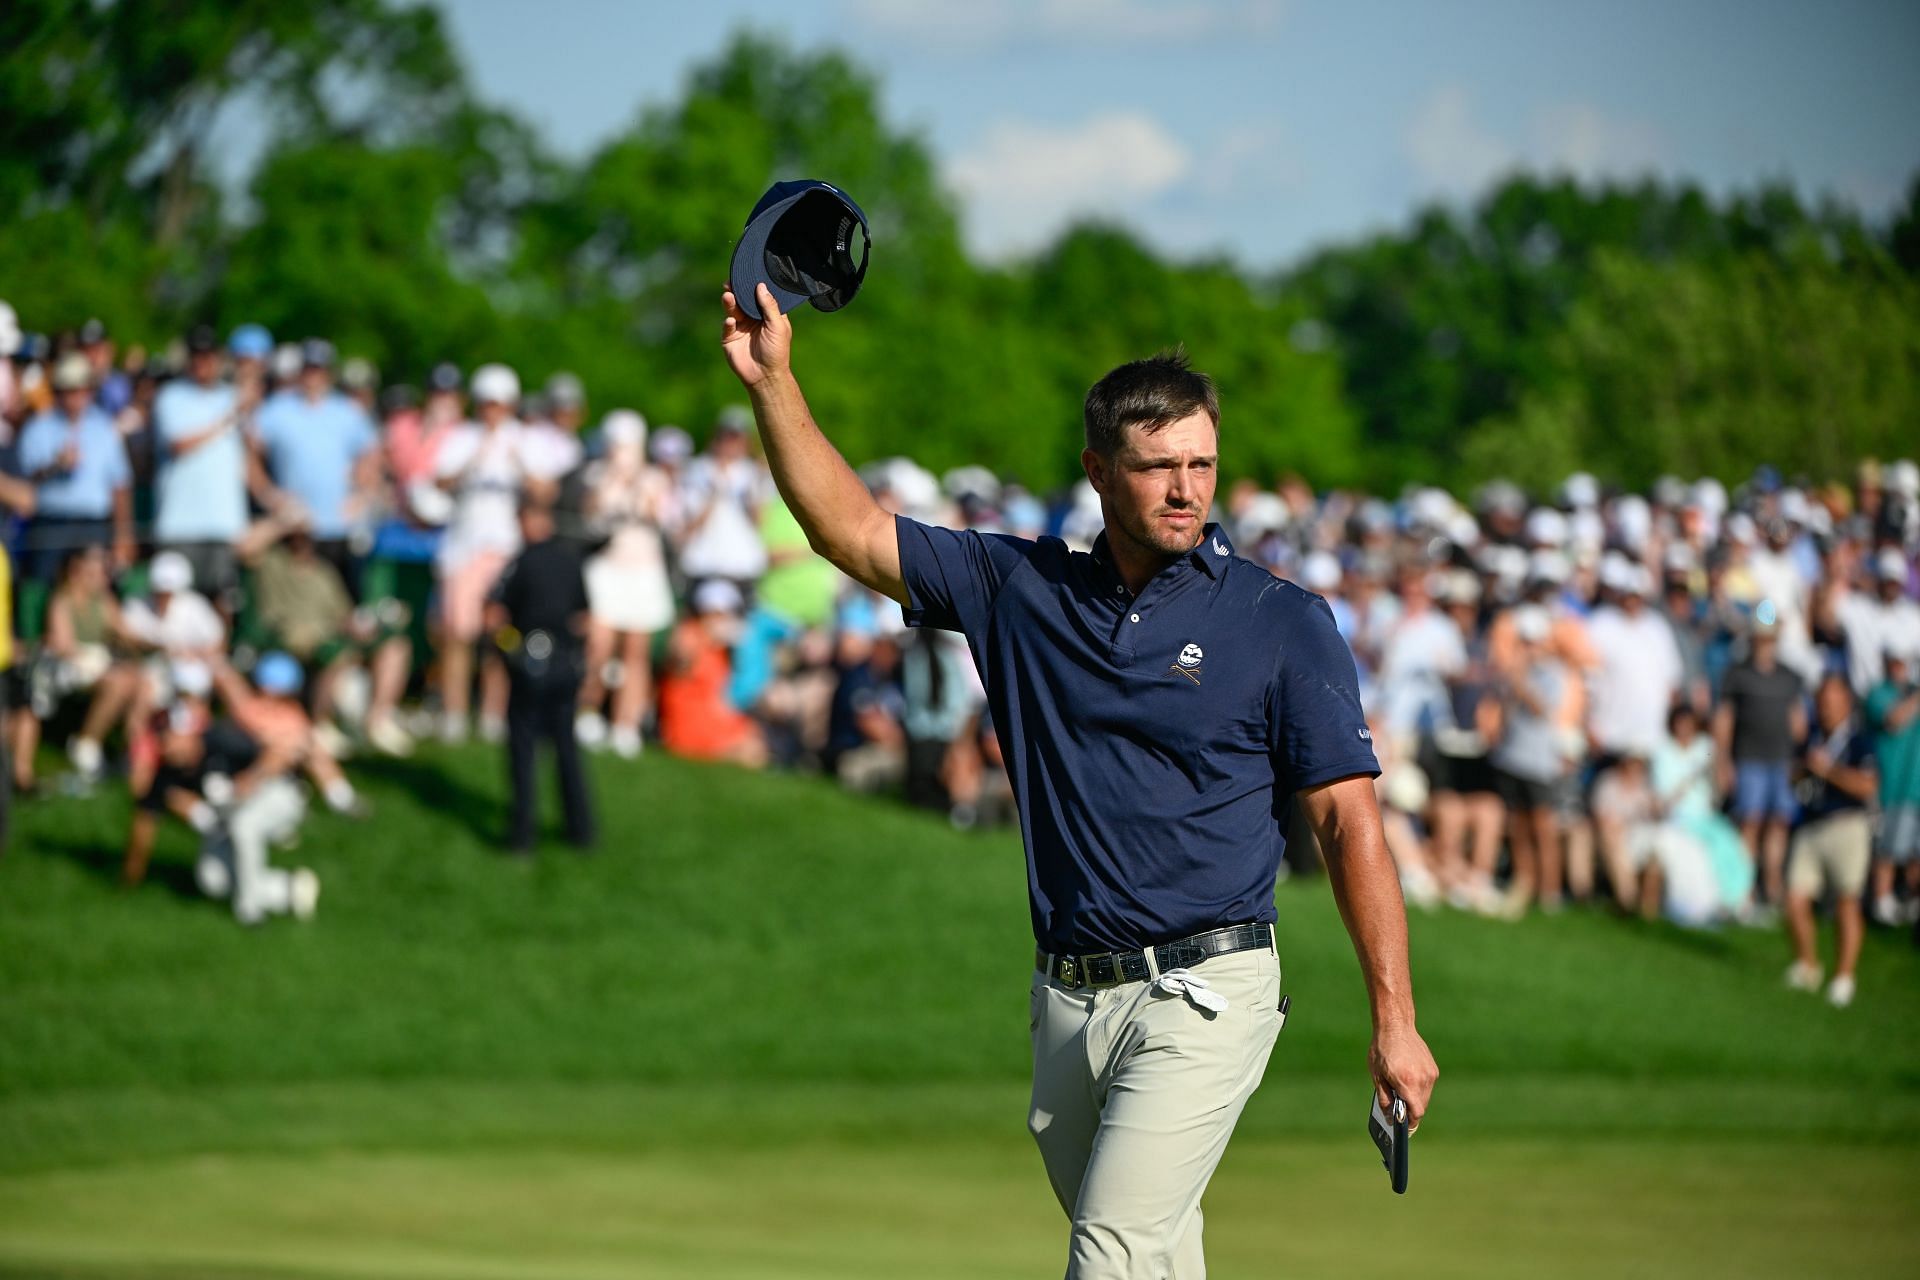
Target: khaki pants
[
  {"x": 1834, "y": 852},
  {"x": 1135, "y": 1093}
]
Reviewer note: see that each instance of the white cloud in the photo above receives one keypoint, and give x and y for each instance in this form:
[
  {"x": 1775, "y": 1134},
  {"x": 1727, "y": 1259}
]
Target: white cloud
[
  {"x": 1022, "y": 180},
  {"x": 1449, "y": 150},
  {"x": 1454, "y": 154},
  {"x": 976, "y": 24},
  {"x": 1577, "y": 138}
]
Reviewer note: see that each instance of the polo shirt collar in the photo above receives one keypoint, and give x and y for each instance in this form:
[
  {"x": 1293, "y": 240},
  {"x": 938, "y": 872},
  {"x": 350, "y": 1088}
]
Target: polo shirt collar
[{"x": 1210, "y": 554}]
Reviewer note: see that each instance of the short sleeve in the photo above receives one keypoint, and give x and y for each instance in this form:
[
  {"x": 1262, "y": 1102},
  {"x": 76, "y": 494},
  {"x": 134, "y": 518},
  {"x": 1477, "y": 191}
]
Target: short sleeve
[
  {"x": 206, "y": 629},
  {"x": 953, "y": 577},
  {"x": 1316, "y": 729},
  {"x": 167, "y": 418},
  {"x": 37, "y": 447}
]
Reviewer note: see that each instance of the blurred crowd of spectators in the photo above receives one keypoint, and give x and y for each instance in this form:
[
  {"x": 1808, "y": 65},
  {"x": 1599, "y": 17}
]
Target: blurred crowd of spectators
[{"x": 239, "y": 560}]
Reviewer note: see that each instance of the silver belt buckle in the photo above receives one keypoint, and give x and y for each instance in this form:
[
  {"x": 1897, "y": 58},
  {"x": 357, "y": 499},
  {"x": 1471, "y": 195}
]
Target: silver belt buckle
[{"x": 1069, "y": 971}]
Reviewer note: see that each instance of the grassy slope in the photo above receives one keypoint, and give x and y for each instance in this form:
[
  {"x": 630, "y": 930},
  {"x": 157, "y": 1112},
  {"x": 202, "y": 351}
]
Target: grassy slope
[{"x": 755, "y": 967}]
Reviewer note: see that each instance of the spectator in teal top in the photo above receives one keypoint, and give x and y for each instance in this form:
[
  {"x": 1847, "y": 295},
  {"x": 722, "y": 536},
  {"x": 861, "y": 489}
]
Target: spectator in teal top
[{"x": 1893, "y": 712}]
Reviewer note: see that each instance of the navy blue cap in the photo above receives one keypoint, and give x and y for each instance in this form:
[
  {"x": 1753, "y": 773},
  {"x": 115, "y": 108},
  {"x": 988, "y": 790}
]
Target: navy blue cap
[{"x": 799, "y": 242}]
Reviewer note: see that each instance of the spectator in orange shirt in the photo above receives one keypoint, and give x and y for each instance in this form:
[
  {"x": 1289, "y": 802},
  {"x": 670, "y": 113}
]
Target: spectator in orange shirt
[{"x": 696, "y": 720}]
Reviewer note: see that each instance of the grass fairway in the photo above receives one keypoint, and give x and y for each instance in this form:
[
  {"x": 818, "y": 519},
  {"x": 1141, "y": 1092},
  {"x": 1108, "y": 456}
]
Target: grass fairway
[{"x": 774, "y": 1031}]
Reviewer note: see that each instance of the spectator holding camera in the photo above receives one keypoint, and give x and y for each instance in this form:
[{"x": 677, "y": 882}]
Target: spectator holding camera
[
  {"x": 200, "y": 487},
  {"x": 83, "y": 481},
  {"x": 1833, "y": 846}
]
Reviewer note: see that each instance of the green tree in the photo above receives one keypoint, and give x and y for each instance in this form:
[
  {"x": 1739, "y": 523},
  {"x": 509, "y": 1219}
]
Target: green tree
[
  {"x": 107, "y": 112},
  {"x": 1804, "y": 362}
]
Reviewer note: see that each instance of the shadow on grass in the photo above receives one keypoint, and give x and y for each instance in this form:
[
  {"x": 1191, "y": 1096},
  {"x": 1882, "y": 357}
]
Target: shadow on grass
[
  {"x": 435, "y": 787},
  {"x": 174, "y": 876},
  {"x": 1715, "y": 943}
]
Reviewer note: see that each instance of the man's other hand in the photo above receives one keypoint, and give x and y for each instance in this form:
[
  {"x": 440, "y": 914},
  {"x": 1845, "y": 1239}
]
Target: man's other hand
[
  {"x": 757, "y": 349},
  {"x": 1401, "y": 1064}
]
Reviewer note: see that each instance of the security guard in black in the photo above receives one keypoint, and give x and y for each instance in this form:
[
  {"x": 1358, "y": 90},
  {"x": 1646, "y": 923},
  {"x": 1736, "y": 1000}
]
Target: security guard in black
[{"x": 538, "y": 616}]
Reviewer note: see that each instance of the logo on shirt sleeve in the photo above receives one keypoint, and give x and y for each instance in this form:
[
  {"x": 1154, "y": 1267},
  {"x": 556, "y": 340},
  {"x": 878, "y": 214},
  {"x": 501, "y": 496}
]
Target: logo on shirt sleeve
[{"x": 1188, "y": 663}]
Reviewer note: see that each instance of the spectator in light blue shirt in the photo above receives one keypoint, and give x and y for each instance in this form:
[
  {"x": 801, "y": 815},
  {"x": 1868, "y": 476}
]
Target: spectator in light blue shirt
[
  {"x": 201, "y": 487},
  {"x": 322, "y": 450},
  {"x": 82, "y": 481}
]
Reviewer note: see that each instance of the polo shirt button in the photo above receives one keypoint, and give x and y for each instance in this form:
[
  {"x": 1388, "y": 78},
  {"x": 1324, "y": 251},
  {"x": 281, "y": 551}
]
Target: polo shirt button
[{"x": 1135, "y": 618}]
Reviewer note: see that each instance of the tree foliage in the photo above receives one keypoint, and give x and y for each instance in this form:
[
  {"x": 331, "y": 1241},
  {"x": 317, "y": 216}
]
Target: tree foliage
[{"x": 1631, "y": 329}]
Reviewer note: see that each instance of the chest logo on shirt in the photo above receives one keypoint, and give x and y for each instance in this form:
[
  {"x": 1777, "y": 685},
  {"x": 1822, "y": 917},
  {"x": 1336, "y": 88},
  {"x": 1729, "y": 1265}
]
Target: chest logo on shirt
[{"x": 1188, "y": 663}]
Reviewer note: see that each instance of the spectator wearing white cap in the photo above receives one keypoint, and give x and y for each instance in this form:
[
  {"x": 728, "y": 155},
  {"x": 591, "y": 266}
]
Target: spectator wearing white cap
[
  {"x": 1422, "y": 651},
  {"x": 1640, "y": 669},
  {"x": 318, "y": 447},
  {"x": 1776, "y": 574},
  {"x": 1535, "y": 694},
  {"x": 722, "y": 493},
  {"x": 1321, "y": 574},
  {"x": 83, "y": 481},
  {"x": 1881, "y": 618},
  {"x": 628, "y": 592},
  {"x": 487, "y": 466},
  {"x": 1467, "y": 816},
  {"x": 173, "y": 624}
]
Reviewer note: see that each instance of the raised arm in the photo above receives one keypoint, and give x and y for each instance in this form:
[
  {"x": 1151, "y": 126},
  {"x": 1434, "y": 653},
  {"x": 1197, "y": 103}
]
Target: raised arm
[
  {"x": 1346, "y": 818},
  {"x": 841, "y": 519}
]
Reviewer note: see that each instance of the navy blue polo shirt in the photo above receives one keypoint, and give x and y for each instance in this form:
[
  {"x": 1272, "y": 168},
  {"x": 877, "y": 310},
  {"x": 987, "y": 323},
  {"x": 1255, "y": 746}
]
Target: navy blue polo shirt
[{"x": 1154, "y": 742}]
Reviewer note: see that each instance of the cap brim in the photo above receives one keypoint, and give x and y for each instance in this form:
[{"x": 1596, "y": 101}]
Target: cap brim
[{"x": 749, "y": 266}]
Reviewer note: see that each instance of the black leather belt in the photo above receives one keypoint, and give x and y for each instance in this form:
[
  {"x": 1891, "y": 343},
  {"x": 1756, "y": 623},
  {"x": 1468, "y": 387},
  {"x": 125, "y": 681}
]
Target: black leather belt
[{"x": 1111, "y": 968}]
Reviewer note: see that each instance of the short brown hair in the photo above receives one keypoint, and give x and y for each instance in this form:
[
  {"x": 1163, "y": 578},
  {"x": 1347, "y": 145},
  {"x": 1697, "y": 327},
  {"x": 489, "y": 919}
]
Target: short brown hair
[{"x": 1150, "y": 393}]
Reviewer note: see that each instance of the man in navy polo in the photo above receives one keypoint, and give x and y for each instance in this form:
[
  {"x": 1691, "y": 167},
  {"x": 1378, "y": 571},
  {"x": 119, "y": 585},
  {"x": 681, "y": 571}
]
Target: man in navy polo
[{"x": 1160, "y": 704}]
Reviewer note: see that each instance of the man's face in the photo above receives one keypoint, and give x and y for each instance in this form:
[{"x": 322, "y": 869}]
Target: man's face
[
  {"x": 1158, "y": 486},
  {"x": 1835, "y": 703},
  {"x": 316, "y": 381},
  {"x": 205, "y": 367},
  {"x": 74, "y": 402},
  {"x": 536, "y": 524}
]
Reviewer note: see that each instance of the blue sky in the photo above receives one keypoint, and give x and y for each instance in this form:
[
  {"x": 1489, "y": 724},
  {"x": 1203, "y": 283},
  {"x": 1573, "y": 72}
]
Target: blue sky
[{"x": 1265, "y": 127}]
